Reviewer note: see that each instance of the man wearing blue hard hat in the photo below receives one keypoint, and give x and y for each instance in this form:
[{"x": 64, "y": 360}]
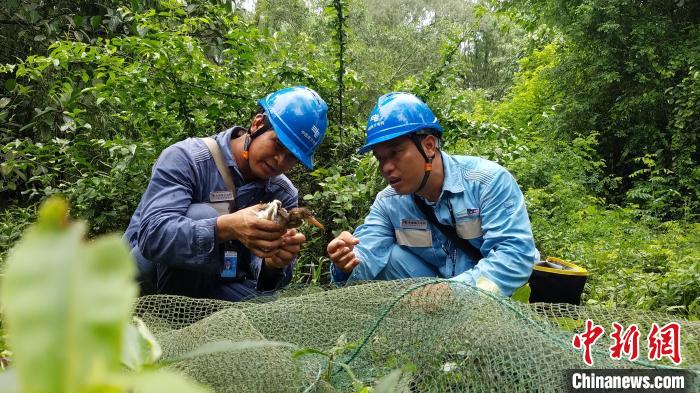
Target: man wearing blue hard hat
[
  {"x": 197, "y": 230},
  {"x": 457, "y": 217}
]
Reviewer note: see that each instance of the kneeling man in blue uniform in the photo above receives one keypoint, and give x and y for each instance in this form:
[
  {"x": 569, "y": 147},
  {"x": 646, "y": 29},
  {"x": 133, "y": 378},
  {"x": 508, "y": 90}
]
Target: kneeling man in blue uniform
[
  {"x": 461, "y": 218},
  {"x": 196, "y": 231}
]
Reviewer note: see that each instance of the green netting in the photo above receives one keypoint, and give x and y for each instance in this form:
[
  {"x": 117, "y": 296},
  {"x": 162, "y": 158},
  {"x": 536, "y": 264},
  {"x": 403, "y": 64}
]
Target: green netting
[{"x": 449, "y": 338}]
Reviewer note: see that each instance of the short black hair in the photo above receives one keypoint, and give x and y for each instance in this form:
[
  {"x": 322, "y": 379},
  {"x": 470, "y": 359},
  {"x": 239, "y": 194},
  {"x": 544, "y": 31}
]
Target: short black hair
[
  {"x": 428, "y": 131},
  {"x": 423, "y": 132}
]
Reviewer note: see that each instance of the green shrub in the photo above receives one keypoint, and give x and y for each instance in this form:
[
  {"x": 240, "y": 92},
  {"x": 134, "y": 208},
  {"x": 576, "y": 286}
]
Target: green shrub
[
  {"x": 642, "y": 265},
  {"x": 13, "y": 221},
  {"x": 341, "y": 204}
]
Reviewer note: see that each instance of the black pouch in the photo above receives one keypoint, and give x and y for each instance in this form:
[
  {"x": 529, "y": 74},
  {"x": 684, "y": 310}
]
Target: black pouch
[
  {"x": 235, "y": 262},
  {"x": 557, "y": 281}
]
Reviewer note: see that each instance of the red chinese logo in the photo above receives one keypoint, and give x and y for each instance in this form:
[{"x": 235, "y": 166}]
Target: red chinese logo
[
  {"x": 586, "y": 339},
  {"x": 665, "y": 341},
  {"x": 662, "y": 341},
  {"x": 626, "y": 342}
]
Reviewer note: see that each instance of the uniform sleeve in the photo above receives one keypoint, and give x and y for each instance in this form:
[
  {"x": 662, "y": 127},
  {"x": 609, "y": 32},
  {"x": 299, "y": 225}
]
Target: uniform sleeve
[
  {"x": 290, "y": 199},
  {"x": 508, "y": 246},
  {"x": 377, "y": 238},
  {"x": 165, "y": 234}
]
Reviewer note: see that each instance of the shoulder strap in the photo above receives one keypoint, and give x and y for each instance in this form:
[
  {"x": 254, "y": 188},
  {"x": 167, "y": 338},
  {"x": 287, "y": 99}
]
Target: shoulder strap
[
  {"x": 448, "y": 231},
  {"x": 221, "y": 166}
]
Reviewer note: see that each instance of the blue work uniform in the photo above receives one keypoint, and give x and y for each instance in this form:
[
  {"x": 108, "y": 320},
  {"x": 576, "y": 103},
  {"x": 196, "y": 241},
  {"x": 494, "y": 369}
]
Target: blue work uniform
[
  {"x": 481, "y": 200},
  {"x": 173, "y": 231}
]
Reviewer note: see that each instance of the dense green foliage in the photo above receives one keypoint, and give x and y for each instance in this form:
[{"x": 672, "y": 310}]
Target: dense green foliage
[
  {"x": 593, "y": 105},
  {"x": 630, "y": 72}
]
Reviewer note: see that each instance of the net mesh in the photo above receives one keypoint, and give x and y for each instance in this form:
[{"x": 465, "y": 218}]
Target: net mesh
[{"x": 445, "y": 336}]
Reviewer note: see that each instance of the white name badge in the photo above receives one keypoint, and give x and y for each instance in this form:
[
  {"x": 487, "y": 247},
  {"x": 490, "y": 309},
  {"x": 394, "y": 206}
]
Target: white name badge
[
  {"x": 414, "y": 237},
  {"x": 408, "y": 223},
  {"x": 220, "y": 196}
]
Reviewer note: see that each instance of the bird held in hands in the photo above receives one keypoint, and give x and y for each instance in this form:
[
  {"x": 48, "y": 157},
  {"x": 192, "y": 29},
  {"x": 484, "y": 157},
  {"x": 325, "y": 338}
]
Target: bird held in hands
[{"x": 293, "y": 218}]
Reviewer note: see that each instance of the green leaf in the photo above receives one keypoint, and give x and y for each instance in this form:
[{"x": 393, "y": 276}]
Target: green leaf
[
  {"x": 308, "y": 351},
  {"x": 95, "y": 21},
  {"x": 10, "y": 84},
  {"x": 65, "y": 304},
  {"x": 568, "y": 324},
  {"x": 53, "y": 214},
  {"x": 140, "y": 347},
  {"x": 522, "y": 294}
]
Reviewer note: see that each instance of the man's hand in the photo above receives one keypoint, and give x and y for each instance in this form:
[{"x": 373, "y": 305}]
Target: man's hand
[
  {"x": 341, "y": 251},
  {"x": 291, "y": 245},
  {"x": 261, "y": 237}
]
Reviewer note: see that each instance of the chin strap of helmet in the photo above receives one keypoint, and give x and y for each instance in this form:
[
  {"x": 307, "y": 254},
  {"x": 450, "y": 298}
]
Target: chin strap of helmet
[
  {"x": 252, "y": 135},
  {"x": 428, "y": 161}
]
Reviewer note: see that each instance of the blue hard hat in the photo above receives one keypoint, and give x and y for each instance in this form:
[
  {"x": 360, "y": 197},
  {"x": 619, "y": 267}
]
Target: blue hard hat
[
  {"x": 298, "y": 116},
  {"x": 397, "y": 114}
]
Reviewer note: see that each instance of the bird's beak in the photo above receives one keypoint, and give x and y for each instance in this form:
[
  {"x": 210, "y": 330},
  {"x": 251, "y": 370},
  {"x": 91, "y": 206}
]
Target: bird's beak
[{"x": 313, "y": 221}]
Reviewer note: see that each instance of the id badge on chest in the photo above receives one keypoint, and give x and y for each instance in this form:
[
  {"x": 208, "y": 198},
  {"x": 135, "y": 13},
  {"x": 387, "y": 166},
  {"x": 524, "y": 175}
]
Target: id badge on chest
[
  {"x": 230, "y": 264},
  {"x": 222, "y": 202}
]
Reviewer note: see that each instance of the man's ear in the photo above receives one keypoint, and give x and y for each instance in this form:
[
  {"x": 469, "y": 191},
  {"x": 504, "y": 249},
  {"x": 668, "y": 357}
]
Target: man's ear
[
  {"x": 258, "y": 121},
  {"x": 430, "y": 145}
]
